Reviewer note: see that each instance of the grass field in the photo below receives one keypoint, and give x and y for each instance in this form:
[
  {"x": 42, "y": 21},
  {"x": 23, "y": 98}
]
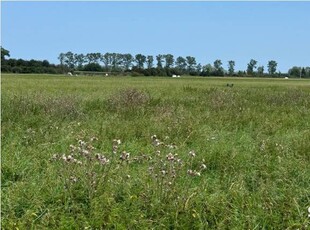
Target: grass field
[{"x": 80, "y": 153}]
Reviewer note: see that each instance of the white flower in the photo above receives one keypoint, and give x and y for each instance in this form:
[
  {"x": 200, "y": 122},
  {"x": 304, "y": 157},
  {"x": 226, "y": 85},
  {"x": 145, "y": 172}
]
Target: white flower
[
  {"x": 170, "y": 157},
  {"x": 192, "y": 153},
  {"x": 117, "y": 142},
  {"x": 124, "y": 155},
  {"x": 203, "y": 166}
]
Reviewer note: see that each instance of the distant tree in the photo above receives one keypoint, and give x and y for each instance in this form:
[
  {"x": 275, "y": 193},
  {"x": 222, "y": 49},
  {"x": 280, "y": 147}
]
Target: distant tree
[
  {"x": 294, "y": 71},
  {"x": 45, "y": 63},
  {"x": 140, "y": 60},
  {"x": 92, "y": 67},
  {"x": 260, "y": 70},
  {"x": 191, "y": 63},
  {"x": 107, "y": 60},
  {"x": 231, "y": 67},
  {"x": 159, "y": 59},
  {"x": 303, "y": 72},
  {"x": 169, "y": 60},
  {"x": 4, "y": 53},
  {"x": 127, "y": 61},
  {"x": 80, "y": 60},
  {"x": 116, "y": 61},
  {"x": 93, "y": 57},
  {"x": 149, "y": 61},
  {"x": 272, "y": 67},
  {"x": 219, "y": 71},
  {"x": 69, "y": 60},
  {"x": 251, "y": 66},
  {"x": 207, "y": 70},
  {"x": 61, "y": 58},
  {"x": 181, "y": 64}
]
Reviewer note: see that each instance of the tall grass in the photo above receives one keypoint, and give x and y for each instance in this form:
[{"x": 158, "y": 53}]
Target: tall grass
[{"x": 154, "y": 153}]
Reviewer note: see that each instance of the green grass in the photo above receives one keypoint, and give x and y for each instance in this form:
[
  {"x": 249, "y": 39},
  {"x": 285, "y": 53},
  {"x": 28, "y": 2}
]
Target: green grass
[{"x": 253, "y": 139}]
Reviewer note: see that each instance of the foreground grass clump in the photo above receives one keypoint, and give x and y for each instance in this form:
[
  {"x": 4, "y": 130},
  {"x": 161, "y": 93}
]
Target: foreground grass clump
[{"x": 142, "y": 153}]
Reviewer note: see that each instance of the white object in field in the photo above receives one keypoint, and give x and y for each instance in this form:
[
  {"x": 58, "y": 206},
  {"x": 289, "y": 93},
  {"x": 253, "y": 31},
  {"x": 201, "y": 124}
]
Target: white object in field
[
  {"x": 69, "y": 73},
  {"x": 286, "y": 77},
  {"x": 106, "y": 74},
  {"x": 174, "y": 75}
]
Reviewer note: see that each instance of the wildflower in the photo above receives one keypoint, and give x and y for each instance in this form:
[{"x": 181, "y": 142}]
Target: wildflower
[
  {"x": 54, "y": 157},
  {"x": 156, "y": 142},
  {"x": 170, "y": 157},
  {"x": 117, "y": 142},
  {"x": 82, "y": 143},
  {"x": 203, "y": 167},
  {"x": 69, "y": 158},
  {"x": 163, "y": 172},
  {"x": 193, "y": 172},
  {"x": 192, "y": 153},
  {"x": 84, "y": 152},
  {"x": 128, "y": 176},
  {"x": 171, "y": 146},
  {"x": 64, "y": 157},
  {"x": 309, "y": 212},
  {"x": 153, "y": 137},
  {"x": 158, "y": 152},
  {"x": 73, "y": 179},
  {"x": 103, "y": 160},
  {"x": 93, "y": 139},
  {"x": 124, "y": 155},
  {"x": 72, "y": 148}
]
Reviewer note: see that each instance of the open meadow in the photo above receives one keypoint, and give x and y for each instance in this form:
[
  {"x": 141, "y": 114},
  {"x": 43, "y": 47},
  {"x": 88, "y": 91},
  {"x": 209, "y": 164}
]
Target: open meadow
[{"x": 154, "y": 153}]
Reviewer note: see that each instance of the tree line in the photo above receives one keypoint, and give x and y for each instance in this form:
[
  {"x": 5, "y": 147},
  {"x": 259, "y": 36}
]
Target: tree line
[{"x": 143, "y": 65}]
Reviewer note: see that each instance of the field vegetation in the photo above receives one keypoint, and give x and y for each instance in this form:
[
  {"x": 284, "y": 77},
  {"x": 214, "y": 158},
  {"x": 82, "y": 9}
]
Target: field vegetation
[{"x": 154, "y": 153}]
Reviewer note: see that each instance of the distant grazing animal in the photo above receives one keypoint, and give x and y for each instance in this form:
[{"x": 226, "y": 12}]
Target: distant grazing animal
[{"x": 69, "y": 73}]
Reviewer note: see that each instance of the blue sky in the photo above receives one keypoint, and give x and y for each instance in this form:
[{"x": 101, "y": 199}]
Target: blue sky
[{"x": 236, "y": 31}]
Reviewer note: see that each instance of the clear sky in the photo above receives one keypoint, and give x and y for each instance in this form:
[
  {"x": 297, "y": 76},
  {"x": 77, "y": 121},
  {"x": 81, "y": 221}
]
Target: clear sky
[{"x": 236, "y": 31}]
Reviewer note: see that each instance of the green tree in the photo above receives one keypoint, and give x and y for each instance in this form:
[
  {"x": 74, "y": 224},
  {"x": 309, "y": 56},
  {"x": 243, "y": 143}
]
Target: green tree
[
  {"x": 169, "y": 60},
  {"x": 251, "y": 66},
  {"x": 191, "y": 63},
  {"x": 4, "y": 53},
  {"x": 149, "y": 61},
  {"x": 159, "y": 59},
  {"x": 294, "y": 71},
  {"x": 219, "y": 71},
  {"x": 107, "y": 61},
  {"x": 127, "y": 61},
  {"x": 181, "y": 64},
  {"x": 231, "y": 67},
  {"x": 140, "y": 60},
  {"x": 272, "y": 67},
  {"x": 260, "y": 70}
]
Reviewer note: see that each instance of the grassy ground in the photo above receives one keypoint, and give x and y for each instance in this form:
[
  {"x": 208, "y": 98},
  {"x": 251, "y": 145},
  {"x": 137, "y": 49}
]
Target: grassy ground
[{"x": 222, "y": 158}]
